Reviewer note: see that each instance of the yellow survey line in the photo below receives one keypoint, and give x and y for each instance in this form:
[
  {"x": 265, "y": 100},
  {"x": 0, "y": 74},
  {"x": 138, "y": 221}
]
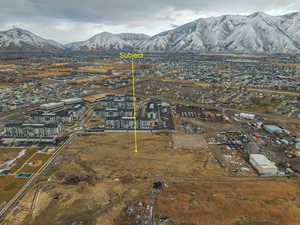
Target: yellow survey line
[
  {"x": 133, "y": 56},
  {"x": 134, "y": 106}
]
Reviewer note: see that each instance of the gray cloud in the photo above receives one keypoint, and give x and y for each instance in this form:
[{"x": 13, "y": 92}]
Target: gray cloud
[{"x": 69, "y": 20}]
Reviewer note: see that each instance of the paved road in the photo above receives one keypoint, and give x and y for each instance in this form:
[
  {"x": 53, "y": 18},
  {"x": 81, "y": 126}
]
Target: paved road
[{"x": 25, "y": 188}]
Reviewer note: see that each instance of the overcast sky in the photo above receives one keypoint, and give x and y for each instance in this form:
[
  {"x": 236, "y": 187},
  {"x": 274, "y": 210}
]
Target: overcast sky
[{"x": 77, "y": 20}]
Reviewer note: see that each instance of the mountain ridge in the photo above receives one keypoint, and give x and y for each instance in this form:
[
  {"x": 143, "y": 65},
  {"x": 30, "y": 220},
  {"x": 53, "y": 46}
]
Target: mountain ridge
[
  {"x": 109, "y": 41},
  {"x": 255, "y": 33},
  {"x": 20, "y": 40}
]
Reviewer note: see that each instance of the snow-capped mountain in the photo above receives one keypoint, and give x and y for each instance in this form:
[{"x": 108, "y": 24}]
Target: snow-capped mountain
[
  {"x": 133, "y": 38},
  {"x": 56, "y": 44},
  {"x": 256, "y": 33},
  {"x": 108, "y": 41},
  {"x": 19, "y": 40}
]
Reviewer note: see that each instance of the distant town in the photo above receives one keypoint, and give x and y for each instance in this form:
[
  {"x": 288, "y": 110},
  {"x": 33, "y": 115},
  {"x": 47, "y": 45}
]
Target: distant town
[{"x": 200, "y": 116}]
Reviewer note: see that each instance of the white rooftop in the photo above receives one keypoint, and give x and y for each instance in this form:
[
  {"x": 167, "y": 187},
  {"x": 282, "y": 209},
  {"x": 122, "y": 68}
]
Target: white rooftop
[{"x": 262, "y": 160}]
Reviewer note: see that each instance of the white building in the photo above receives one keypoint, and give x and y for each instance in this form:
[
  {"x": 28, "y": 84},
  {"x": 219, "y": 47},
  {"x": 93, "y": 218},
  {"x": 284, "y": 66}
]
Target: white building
[
  {"x": 54, "y": 105},
  {"x": 247, "y": 116},
  {"x": 263, "y": 165},
  {"x": 71, "y": 101}
]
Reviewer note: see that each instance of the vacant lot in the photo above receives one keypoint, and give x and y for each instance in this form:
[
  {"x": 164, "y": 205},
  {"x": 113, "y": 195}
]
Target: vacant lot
[
  {"x": 98, "y": 176},
  {"x": 5, "y": 152},
  {"x": 113, "y": 154},
  {"x": 35, "y": 163},
  {"x": 97, "y": 96},
  {"x": 9, "y": 186},
  {"x": 189, "y": 142},
  {"x": 245, "y": 202}
]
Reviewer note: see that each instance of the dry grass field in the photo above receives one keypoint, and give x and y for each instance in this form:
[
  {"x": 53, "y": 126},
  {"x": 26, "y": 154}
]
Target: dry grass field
[
  {"x": 112, "y": 154},
  {"x": 5, "y": 152},
  {"x": 98, "y": 176},
  {"x": 251, "y": 203},
  {"x": 97, "y": 96},
  {"x": 94, "y": 122},
  {"x": 35, "y": 163},
  {"x": 9, "y": 186},
  {"x": 5, "y": 85}
]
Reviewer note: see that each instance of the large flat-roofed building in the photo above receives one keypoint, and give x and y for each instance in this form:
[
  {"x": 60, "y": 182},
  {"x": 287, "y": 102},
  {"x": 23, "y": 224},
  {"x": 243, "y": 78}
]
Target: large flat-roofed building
[
  {"x": 52, "y": 106},
  {"x": 31, "y": 132},
  {"x": 65, "y": 115},
  {"x": 263, "y": 165},
  {"x": 61, "y": 105},
  {"x": 71, "y": 101},
  {"x": 247, "y": 116},
  {"x": 40, "y": 117}
]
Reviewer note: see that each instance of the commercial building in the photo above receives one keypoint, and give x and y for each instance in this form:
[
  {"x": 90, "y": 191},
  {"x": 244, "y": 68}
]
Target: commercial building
[
  {"x": 52, "y": 106},
  {"x": 71, "y": 101},
  {"x": 31, "y": 132},
  {"x": 247, "y": 116},
  {"x": 61, "y": 104},
  {"x": 64, "y": 115},
  {"x": 263, "y": 165}
]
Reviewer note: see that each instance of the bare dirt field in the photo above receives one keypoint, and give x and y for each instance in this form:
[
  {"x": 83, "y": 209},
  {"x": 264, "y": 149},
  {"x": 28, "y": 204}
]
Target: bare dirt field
[{"x": 189, "y": 142}]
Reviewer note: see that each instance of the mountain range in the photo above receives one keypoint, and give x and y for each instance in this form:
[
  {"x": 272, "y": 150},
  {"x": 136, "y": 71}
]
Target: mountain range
[
  {"x": 19, "y": 40},
  {"x": 255, "y": 33}
]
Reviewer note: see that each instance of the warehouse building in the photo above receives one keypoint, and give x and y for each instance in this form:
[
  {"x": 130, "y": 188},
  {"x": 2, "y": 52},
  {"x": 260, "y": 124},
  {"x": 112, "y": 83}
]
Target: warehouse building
[{"x": 263, "y": 165}]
